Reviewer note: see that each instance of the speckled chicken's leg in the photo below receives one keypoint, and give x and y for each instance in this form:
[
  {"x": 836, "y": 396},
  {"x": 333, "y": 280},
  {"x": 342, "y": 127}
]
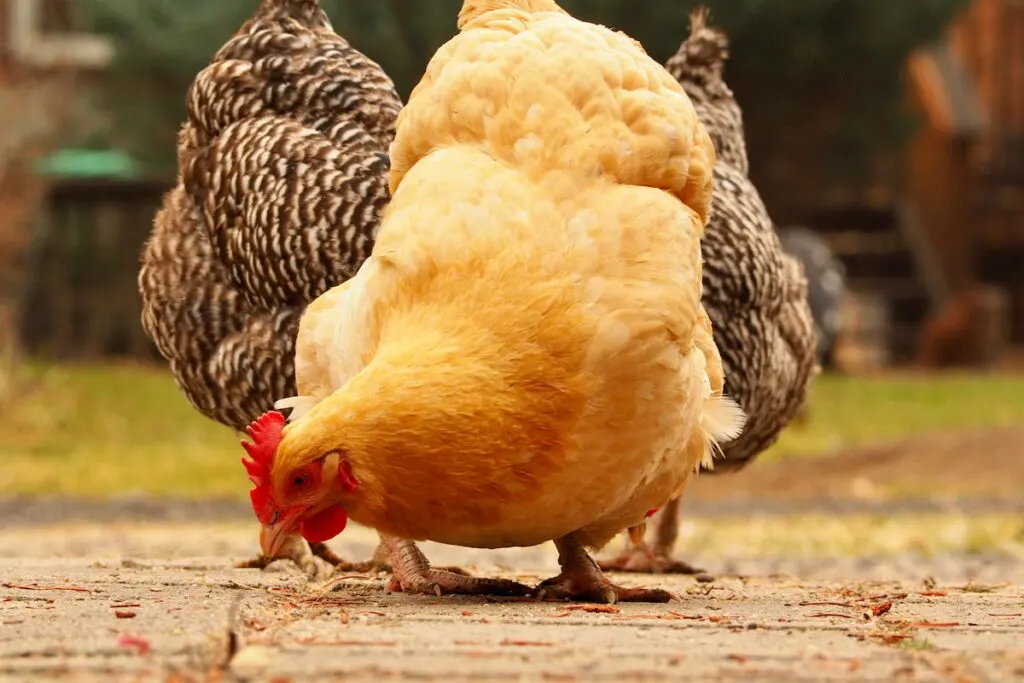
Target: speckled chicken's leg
[
  {"x": 413, "y": 574},
  {"x": 581, "y": 579},
  {"x": 303, "y": 554},
  {"x": 640, "y": 558}
]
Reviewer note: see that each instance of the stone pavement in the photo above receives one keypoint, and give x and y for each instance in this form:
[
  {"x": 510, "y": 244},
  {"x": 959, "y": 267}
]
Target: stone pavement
[{"x": 161, "y": 602}]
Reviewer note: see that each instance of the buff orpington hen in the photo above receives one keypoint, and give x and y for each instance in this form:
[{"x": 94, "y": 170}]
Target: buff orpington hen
[
  {"x": 754, "y": 293},
  {"x": 282, "y": 180},
  {"x": 524, "y": 357}
]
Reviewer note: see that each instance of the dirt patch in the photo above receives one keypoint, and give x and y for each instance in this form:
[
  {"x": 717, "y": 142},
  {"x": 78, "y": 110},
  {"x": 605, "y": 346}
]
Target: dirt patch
[{"x": 985, "y": 463}]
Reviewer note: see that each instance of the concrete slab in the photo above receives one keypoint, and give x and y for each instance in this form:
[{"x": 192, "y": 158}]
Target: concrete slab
[{"x": 162, "y": 602}]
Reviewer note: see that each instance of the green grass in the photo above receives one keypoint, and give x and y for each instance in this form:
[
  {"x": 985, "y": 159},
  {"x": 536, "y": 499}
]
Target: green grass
[
  {"x": 97, "y": 430},
  {"x": 846, "y": 411}
]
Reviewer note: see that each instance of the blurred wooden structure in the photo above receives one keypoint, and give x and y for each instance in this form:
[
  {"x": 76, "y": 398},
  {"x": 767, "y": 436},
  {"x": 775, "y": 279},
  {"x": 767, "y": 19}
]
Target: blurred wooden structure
[
  {"x": 954, "y": 232},
  {"x": 40, "y": 55},
  {"x": 82, "y": 300},
  {"x": 966, "y": 164}
]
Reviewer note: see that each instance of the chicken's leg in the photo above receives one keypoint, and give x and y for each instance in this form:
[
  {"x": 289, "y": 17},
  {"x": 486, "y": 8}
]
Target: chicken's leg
[
  {"x": 413, "y": 574},
  {"x": 303, "y": 554},
  {"x": 581, "y": 579},
  {"x": 640, "y": 558}
]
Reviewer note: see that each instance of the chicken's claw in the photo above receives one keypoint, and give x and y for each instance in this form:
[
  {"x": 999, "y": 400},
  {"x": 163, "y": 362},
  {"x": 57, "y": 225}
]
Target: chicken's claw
[
  {"x": 581, "y": 579},
  {"x": 304, "y": 555},
  {"x": 330, "y": 557},
  {"x": 413, "y": 574},
  {"x": 642, "y": 560},
  {"x": 597, "y": 589}
]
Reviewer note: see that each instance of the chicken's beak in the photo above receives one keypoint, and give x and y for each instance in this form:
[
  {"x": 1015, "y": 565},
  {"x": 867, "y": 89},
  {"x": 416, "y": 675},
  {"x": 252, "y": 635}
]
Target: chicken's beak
[{"x": 274, "y": 535}]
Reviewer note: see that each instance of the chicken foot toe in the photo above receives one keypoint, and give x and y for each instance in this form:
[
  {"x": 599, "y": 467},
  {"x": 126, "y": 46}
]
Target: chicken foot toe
[
  {"x": 294, "y": 549},
  {"x": 581, "y": 579},
  {"x": 413, "y": 574},
  {"x": 304, "y": 555},
  {"x": 640, "y": 558},
  {"x": 376, "y": 563}
]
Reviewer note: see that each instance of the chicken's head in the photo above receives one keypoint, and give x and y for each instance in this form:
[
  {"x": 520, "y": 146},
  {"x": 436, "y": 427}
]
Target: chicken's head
[{"x": 288, "y": 498}]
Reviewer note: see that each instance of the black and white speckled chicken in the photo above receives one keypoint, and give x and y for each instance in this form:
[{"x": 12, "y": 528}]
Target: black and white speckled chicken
[
  {"x": 755, "y": 294},
  {"x": 282, "y": 179}
]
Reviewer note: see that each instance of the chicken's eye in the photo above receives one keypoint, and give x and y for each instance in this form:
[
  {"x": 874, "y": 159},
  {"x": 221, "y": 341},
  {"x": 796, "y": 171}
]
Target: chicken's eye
[{"x": 300, "y": 481}]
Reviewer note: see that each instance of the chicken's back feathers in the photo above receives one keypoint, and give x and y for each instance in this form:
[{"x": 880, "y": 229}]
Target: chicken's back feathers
[
  {"x": 755, "y": 294},
  {"x": 282, "y": 179},
  {"x": 535, "y": 87}
]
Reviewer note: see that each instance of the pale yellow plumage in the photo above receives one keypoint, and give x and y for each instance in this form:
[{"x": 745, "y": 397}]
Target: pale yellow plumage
[{"x": 525, "y": 354}]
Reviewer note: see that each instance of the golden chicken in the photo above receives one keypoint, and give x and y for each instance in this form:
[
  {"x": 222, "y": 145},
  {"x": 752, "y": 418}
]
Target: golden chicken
[{"x": 524, "y": 357}]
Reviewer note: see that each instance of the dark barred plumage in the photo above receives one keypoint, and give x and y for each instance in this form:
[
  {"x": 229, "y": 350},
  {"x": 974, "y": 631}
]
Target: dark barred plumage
[
  {"x": 755, "y": 294},
  {"x": 282, "y": 180}
]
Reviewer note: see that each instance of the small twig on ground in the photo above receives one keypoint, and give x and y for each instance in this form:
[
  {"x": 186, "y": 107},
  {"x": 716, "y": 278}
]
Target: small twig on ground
[
  {"x": 680, "y": 615},
  {"x": 231, "y": 583},
  {"x": 887, "y": 596},
  {"x": 890, "y": 638},
  {"x": 364, "y": 643},
  {"x": 827, "y": 604},
  {"x": 37, "y": 587},
  {"x": 595, "y": 609},
  {"x": 833, "y": 614}
]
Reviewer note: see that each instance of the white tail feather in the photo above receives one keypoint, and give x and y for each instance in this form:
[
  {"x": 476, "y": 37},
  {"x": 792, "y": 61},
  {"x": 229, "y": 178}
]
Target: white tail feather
[
  {"x": 722, "y": 421},
  {"x": 300, "y": 405}
]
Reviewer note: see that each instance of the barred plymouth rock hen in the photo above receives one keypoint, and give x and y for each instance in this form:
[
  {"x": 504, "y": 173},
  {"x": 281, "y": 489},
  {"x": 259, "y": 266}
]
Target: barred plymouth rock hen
[
  {"x": 755, "y": 294},
  {"x": 282, "y": 179}
]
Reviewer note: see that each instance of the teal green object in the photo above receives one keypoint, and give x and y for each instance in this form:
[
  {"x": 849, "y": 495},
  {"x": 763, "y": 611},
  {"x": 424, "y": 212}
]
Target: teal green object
[{"x": 88, "y": 163}]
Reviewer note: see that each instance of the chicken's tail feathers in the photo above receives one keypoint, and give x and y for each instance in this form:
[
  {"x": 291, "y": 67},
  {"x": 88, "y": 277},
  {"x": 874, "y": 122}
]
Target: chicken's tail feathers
[
  {"x": 702, "y": 56},
  {"x": 307, "y": 12},
  {"x": 722, "y": 421}
]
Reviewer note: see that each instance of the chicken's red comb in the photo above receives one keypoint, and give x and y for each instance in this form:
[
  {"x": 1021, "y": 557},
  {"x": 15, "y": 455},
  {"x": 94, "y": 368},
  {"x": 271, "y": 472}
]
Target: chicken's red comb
[{"x": 265, "y": 433}]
